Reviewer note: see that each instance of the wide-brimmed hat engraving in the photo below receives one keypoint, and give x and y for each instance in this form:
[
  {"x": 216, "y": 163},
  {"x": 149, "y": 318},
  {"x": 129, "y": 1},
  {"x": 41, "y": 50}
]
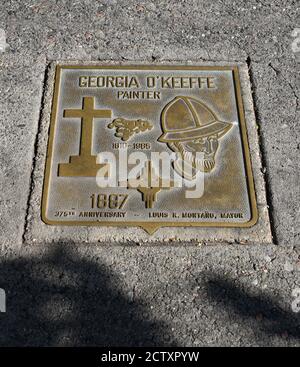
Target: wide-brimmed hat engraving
[{"x": 186, "y": 118}]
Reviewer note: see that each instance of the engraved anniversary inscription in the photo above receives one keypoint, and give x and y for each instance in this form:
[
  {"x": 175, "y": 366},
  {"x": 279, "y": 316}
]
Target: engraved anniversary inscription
[{"x": 148, "y": 146}]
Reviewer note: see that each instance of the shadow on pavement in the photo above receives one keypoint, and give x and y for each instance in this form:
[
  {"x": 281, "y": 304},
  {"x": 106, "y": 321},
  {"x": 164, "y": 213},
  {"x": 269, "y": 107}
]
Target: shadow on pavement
[
  {"x": 264, "y": 312},
  {"x": 62, "y": 299}
]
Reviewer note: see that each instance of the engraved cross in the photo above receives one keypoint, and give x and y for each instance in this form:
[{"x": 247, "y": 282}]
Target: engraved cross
[
  {"x": 85, "y": 164},
  {"x": 87, "y": 114}
]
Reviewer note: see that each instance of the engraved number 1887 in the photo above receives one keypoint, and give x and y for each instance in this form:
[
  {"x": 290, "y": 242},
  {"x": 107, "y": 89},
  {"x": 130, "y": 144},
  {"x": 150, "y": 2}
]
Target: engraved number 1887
[{"x": 111, "y": 201}]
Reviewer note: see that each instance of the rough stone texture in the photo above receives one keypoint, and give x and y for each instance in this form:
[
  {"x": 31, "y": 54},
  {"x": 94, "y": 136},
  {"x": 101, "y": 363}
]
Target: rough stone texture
[
  {"x": 64, "y": 294},
  {"x": 21, "y": 87}
]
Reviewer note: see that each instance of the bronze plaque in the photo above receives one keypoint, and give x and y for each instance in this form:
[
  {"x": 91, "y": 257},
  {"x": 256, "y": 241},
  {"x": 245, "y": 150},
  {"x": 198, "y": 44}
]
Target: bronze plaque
[{"x": 148, "y": 146}]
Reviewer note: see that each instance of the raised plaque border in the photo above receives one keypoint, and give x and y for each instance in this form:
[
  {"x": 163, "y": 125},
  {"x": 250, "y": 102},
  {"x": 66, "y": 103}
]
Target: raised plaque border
[{"x": 152, "y": 226}]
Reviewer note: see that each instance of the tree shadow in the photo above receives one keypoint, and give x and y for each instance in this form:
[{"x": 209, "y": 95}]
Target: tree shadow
[
  {"x": 264, "y": 312},
  {"x": 63, "y": 299}
]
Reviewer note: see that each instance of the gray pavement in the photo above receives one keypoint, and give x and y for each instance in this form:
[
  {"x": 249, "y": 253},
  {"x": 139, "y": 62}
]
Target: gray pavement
[{"x": 70, "y": 294}]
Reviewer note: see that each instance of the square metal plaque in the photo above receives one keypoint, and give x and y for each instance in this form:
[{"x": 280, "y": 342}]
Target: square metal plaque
[{"x": 148, "y": 146}]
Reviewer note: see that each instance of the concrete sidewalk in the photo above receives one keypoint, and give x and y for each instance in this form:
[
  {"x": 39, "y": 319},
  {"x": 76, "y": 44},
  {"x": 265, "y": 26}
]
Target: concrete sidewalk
[{"x": 65, "y": 294}]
